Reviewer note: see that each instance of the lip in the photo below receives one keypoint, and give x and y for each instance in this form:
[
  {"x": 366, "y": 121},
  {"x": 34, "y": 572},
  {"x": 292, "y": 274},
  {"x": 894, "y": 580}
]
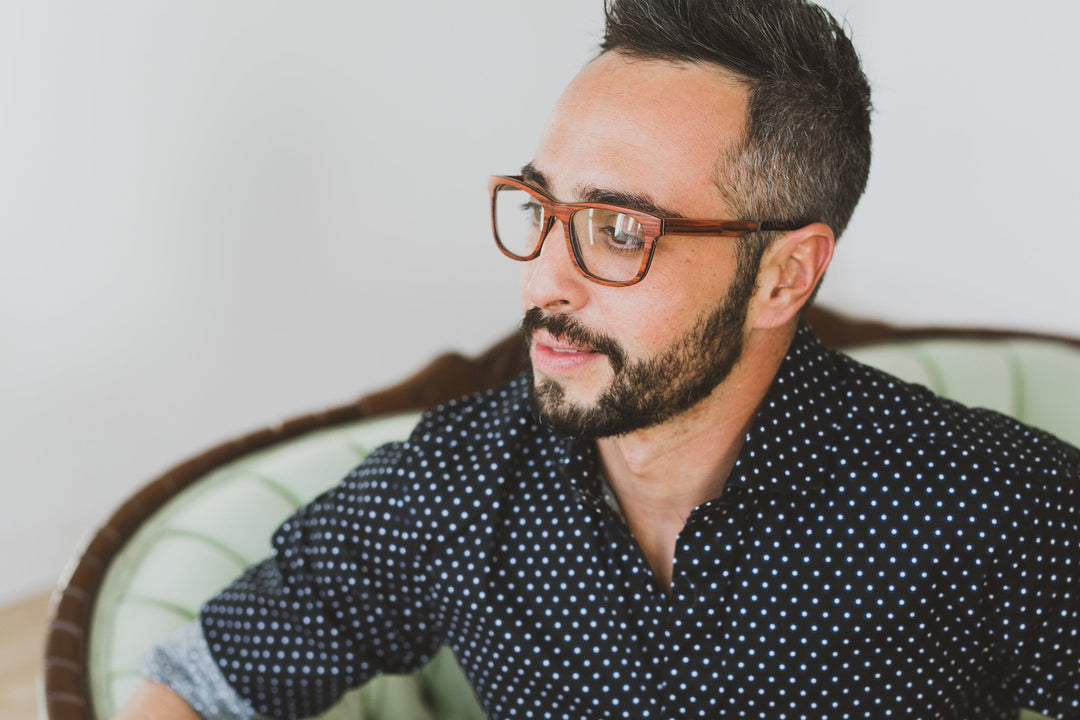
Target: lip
[{"x": 554, "y": 356}]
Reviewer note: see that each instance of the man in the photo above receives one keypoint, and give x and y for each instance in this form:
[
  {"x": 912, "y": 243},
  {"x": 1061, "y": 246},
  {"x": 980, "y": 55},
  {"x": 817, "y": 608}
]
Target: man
[{"x": 690, "y": 508}]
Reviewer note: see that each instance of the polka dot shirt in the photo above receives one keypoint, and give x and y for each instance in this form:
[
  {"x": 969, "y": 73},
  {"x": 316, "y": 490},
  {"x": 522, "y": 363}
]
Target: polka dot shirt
[{"x": 878, "y": 552}]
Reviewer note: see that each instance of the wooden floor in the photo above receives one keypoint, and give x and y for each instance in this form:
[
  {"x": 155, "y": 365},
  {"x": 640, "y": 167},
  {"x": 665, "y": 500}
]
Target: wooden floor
[{"x": 22, "y": 645}]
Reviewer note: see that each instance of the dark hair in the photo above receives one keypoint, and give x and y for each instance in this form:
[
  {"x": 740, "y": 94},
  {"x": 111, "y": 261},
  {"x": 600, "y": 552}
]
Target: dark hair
[{"x": 805, "y": 156}]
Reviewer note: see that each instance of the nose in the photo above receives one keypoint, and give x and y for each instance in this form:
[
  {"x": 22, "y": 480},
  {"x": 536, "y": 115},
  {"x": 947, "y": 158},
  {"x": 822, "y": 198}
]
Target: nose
[{"x": 551, "y": 281}]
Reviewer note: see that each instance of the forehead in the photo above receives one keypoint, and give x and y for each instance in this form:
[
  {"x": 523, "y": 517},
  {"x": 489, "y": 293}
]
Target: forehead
[{"x": 648, "y": 127}]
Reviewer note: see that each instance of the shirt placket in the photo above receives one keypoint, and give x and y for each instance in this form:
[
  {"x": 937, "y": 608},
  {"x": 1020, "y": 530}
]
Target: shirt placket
[
  {"x": 695, "y": 624},
  {"x": 683, "y": 633},
  {"x": 645, "y": 607}
]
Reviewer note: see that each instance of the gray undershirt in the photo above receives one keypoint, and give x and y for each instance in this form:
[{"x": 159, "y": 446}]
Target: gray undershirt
[{"x": 184, "y": 663}]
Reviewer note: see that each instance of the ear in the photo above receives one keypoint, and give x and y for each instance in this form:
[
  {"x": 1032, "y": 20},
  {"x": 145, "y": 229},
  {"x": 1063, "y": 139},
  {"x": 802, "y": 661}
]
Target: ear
[{"x": 791, "y": 269}]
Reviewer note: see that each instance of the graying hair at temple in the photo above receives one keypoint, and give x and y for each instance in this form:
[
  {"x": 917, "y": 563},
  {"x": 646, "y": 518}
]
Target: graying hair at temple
[{"x": 806, "y": 153}]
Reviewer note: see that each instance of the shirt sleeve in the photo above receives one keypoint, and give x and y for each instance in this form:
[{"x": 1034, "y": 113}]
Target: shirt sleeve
[
  {"x": 184, "y": 663},
  {"x": 1041, "y": 611},
  {"x": 344, "y": 598}
]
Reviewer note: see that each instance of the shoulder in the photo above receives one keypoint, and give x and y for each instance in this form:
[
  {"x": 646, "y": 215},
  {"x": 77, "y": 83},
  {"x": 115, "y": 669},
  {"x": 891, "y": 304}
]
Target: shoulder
[
  {"x": 448, "y": 472},
  {"x": 467, "y": 443},
  {"x": 493, "y": 415},
  {"x": 953, "y": 441}
]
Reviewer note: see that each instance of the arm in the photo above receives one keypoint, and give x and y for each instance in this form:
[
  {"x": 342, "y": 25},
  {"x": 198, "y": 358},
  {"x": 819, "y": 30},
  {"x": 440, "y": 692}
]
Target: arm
[
  {"x": 1041, "y": 615},
  {"x": 344, "y": 598},
  {"x": 341, "y": 601},
  {"x": 154, "y": 701},
  {"x": 185, "y": 683}
]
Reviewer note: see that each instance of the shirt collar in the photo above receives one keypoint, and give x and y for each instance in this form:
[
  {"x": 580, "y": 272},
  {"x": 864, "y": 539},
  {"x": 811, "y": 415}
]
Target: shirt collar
[
  {"x": 791, "y": 442},
  {"x": 578, "y": 461}
]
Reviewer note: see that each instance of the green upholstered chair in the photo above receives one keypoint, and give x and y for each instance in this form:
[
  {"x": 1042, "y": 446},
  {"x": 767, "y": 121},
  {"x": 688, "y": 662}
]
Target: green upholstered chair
[{"x": 188, "y": 533}]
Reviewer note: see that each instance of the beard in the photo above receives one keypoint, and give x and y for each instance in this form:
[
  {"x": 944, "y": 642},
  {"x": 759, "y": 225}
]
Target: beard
[{"x": 648, "y": 391}]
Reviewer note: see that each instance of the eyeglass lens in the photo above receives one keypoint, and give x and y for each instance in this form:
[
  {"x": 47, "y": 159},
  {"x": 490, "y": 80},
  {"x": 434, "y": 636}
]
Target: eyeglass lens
[{"x": 608, "y": 244}]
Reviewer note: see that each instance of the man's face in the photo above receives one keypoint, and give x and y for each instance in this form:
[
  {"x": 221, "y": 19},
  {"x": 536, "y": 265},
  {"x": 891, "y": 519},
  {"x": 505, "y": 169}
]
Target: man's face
[{"x": 607, "y": 361}]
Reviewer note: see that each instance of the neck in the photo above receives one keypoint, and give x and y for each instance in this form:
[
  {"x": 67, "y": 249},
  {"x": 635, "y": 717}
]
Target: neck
[{"x": 661, "y": 473}]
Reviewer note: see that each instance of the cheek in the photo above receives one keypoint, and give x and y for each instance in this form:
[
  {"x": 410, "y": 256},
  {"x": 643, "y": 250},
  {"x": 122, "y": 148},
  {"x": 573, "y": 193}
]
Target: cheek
[
  {"x": 643, "y": 318},
  {"x": 701, "y": 272},
  {"x": 674, "y": 296}
]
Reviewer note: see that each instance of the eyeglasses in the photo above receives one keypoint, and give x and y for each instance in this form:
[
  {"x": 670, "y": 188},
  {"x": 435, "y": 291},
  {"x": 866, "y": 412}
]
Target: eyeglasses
[{"x": 610, "y": 245}]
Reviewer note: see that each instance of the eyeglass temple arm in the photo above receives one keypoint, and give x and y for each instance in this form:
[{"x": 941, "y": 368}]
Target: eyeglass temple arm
[{"x": 727, "y": 228}]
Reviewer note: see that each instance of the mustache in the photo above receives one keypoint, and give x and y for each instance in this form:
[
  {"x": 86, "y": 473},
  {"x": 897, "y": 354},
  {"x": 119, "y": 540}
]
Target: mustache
[{"x": 566, "y": 327}]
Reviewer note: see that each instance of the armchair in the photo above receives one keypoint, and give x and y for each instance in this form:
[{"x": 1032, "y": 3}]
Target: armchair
[{"x": 189, "y": 532}]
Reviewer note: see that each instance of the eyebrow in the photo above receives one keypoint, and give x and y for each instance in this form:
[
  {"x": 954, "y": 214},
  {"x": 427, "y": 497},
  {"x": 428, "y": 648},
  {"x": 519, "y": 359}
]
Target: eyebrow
[
  {"x": 631, "y": 201},
  {"x": 531, "y": 175}
]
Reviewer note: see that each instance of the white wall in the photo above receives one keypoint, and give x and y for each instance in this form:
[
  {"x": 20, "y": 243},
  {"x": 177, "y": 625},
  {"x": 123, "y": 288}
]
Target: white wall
[
  {"x": 217, "y": 215},
  {"x": 969, "y": 215}
]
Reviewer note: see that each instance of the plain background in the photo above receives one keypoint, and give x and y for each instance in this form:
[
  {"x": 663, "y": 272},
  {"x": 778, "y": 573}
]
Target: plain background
[{"x": 215, "y": 215}]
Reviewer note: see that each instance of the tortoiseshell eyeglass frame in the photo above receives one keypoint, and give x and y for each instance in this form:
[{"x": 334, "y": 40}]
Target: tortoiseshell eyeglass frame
[{"x": 653, "y": 227}]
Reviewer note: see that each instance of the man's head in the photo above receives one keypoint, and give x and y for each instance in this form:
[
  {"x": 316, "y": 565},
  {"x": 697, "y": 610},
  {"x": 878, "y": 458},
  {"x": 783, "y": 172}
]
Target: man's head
[{"x": 688, "y": 113}]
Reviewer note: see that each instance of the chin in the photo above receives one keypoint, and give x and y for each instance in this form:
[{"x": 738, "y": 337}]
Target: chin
[{"x": 568, "y": 413}]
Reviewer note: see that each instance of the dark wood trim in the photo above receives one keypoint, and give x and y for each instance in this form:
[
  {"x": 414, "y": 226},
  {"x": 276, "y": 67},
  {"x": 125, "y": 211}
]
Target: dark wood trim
[{"x": 838, "y": 330}]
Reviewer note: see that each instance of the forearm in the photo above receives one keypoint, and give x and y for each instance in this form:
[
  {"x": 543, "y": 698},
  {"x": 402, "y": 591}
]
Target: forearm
[
  {"x": 184, "y": 677},
  {"x": 154, "y": 701}
]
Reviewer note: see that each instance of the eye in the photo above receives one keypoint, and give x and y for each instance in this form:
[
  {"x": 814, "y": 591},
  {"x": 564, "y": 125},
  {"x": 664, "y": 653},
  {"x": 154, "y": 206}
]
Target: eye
[
  {"x": 624, "y": 234},
  {"x": 532, "y": 212}
]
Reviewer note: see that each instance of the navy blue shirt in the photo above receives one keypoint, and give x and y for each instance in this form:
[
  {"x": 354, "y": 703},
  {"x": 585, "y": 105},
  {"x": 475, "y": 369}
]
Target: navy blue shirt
[{"x": 877, "y": 552}]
